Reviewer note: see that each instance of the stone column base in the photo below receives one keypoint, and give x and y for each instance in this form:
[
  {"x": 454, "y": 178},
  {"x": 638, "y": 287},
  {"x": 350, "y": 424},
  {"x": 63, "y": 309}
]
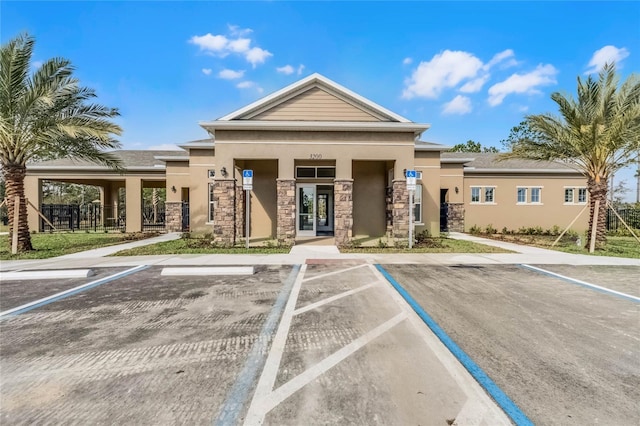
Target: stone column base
[
  {"x": 286, "y": 225},
  {"x": 224, "y": 214},
  {"x": 343, "y": 211},
  {"x": 173, "y": 216},
  {"x": 455, "y": 217},
  {"x": 400, "y": 209}
]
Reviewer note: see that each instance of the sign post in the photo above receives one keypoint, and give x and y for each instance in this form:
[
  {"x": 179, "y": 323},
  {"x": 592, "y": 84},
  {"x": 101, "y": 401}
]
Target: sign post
[
  {"x": 247, "y": 185},
  {"x": 411, "y": 187}
]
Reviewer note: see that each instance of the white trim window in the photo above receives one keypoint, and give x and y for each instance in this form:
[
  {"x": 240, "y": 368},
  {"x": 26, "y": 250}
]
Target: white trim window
[
  {"x": 211, "y": 204},
  {"x": 575, "y": 195},
  {"x": 568, "y": 195},
  {"x": 488, "y": 194},
  {"x": 582, "y": 195},
  {"x": 475, "y": 194},
  {"x": 417, "y": 205},
  {"x": 522, "y": 195},
  {"x": 536, "y": 195}
]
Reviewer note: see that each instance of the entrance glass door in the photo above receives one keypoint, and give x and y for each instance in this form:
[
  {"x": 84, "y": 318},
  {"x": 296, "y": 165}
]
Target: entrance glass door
[
  {"x": 324, "y": 207},
  {"x": 306, "y": 223}
]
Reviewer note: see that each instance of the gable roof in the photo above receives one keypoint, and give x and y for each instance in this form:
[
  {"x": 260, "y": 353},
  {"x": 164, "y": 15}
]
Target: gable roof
[
  {"x": 311, "y": 82},
  {"x": 484, "y": 162}
]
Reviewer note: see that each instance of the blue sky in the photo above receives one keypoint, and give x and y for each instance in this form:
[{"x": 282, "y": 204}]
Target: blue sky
[{"x": 471, "y": 69}]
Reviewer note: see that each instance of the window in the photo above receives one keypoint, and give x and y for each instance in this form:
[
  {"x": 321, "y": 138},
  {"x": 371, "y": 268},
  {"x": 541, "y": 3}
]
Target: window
[
  {"x": 582, "y": 195},
  {"x": 522, "y": 195},
  {"x": 315, "y": 172},
  {"x": 487, "y": 192},
  {"x": 475, "y": 194},
  {"x": 568, "y": 195},
  {"x": 575, "y": 195},
  {"x": 417, "y": 204},
  {"x": 210, "y": 214},
  {"x": 535, "y": 195}
]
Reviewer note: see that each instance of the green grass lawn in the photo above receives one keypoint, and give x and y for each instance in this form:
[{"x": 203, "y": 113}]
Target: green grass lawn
[
  {"x": 432, "y": 245},
  {"x": 198, "y": 246},
  {"x": 58, "y": 244},
  {"x": 617, "y": 246}
]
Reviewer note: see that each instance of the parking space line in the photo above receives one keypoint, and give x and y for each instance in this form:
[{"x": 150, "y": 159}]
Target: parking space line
[
  {"x": 583, "y": 283},
  {"x": 64, "y": 294},
  {"x": 272, "y": 400},
  {"x": 238, "y": 394},
  {"x": 498, "y": 395},
  {"x": 333, "y": 299},
  {"x": 334, "y": 272}
]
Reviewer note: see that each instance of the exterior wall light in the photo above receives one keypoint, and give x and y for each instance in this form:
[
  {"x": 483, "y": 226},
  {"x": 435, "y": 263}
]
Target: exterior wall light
[
  {"x": 223, "y": 171},
  {"x": 173, "y": 188},
  {"x": 457, "y": 190}
]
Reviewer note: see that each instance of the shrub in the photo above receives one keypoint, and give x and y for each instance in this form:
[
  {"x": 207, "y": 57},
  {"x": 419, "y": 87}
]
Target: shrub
[
  {"x": 490, "y": 229},
  {"x": 475, "y": 230}
]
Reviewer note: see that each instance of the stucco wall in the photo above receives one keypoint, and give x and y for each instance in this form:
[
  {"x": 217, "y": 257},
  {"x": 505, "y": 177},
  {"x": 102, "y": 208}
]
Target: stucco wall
[
  {"x": 369, "y": 184},
  {"x": 506, "y": 212}
]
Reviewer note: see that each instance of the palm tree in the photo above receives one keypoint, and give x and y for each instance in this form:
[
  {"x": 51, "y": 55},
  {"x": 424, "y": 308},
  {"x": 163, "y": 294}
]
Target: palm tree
[
  {"x": 45, "y": 114},
  {"x": 596, "y": 134}
]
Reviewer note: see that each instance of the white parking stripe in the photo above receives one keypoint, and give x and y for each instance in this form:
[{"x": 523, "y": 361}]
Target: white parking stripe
[
  {"x": 292, "y": 386},
  {"x": 334, "y": 272},
  {"x": 333, "y": 298},
  {"x": 255, "y": 415},
  {"x": 583, "y": 283}
]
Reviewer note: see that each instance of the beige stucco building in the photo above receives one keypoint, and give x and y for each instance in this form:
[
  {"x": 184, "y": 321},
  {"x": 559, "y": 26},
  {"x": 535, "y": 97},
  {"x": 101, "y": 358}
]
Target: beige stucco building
[{"x": 326, "y": 161}]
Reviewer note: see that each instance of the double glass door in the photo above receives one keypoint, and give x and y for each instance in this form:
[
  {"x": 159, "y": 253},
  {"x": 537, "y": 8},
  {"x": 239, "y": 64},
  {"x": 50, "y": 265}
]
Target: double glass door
[{"x": 315, "y": 210}]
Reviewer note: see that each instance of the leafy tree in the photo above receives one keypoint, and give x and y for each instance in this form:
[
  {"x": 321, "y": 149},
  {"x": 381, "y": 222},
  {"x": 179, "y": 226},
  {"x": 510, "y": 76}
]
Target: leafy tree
[
  {"x": 519, "y": 133},
  {"x": 46, "y": 114},
  {"x": 472, "y": 146},
  {"x": 597, "y": 133}
]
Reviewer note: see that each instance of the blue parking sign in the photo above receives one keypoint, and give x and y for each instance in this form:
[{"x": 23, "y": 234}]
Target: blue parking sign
[
  {"x": 247, "y": 173},
  {"x": 411, "y": 174}
]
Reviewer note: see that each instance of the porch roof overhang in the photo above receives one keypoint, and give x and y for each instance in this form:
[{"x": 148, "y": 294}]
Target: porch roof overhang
[{"x": 326, "y": 126}]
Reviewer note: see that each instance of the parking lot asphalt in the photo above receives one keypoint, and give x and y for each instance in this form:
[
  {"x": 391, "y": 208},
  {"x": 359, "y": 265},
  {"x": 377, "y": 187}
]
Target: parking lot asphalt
[
  {"x": 565, "y": 353},
  {"x": 329, "y": 342},
  {"x": 152, "y": 349}
]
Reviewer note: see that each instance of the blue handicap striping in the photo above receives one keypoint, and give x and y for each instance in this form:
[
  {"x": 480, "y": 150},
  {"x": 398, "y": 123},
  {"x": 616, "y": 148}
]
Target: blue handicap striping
[{"x": 507, "y": 405}]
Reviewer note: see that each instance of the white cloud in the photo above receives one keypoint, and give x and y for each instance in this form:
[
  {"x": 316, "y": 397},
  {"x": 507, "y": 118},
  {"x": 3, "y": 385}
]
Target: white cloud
[
  {"x": 458, "y": 105},
  {"x": 36, "y": 64},
  {"x": 407, "y": 61},
  {"x": 287, "y": 69},
  {"x": 250, "y": 85},
  {"x": 607, "y": 54},
  {"x": 444, "y": 70},
  {"x": 212, "y": 43},
  {"x": 474, "y": 85},
  {"x": 206, "y": 71},
  {"x": 500, "y": 58},
  {"x": 228, "y": 74},
  {"x": 235, "y": 42},
  {"x": 522, "y": 83},
  {"x": 255, "y": 55}
]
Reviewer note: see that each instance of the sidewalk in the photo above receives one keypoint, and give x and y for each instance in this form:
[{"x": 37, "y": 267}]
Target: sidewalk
[{"x": 300, "y": 255}]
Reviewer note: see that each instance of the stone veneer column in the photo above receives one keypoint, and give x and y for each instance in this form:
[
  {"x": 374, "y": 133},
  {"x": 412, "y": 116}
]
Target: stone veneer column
[
  {"x": 388, "y": 200},
  {"x": 224, "y": 214},
  {"x": 173, "y": 216},
  {"x": 400, "y": 209},
  {"x": 240, "y": 215},
  {"x": 455, "y": 217},
  {"x": 286, "y": 225},
  {"x": 343, "y": 211}
]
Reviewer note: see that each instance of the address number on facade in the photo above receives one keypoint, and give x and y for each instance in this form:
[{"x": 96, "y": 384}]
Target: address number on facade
[{"x": 315, "y": 156}]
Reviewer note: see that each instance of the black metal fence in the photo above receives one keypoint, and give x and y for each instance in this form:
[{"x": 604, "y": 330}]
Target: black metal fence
[
  {"x": 96, "y": 217},
  {"x": 630, "y": 216}
]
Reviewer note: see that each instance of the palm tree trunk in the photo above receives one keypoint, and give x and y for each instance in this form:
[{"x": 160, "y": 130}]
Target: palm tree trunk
[
  {"x": 14, "y": 181},
  {"x": 597, "y": 191}
]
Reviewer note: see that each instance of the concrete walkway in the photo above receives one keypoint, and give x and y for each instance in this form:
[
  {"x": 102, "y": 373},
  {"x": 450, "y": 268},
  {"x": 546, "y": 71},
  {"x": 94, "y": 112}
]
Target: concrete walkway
[{"x": 300, "y": 254}]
